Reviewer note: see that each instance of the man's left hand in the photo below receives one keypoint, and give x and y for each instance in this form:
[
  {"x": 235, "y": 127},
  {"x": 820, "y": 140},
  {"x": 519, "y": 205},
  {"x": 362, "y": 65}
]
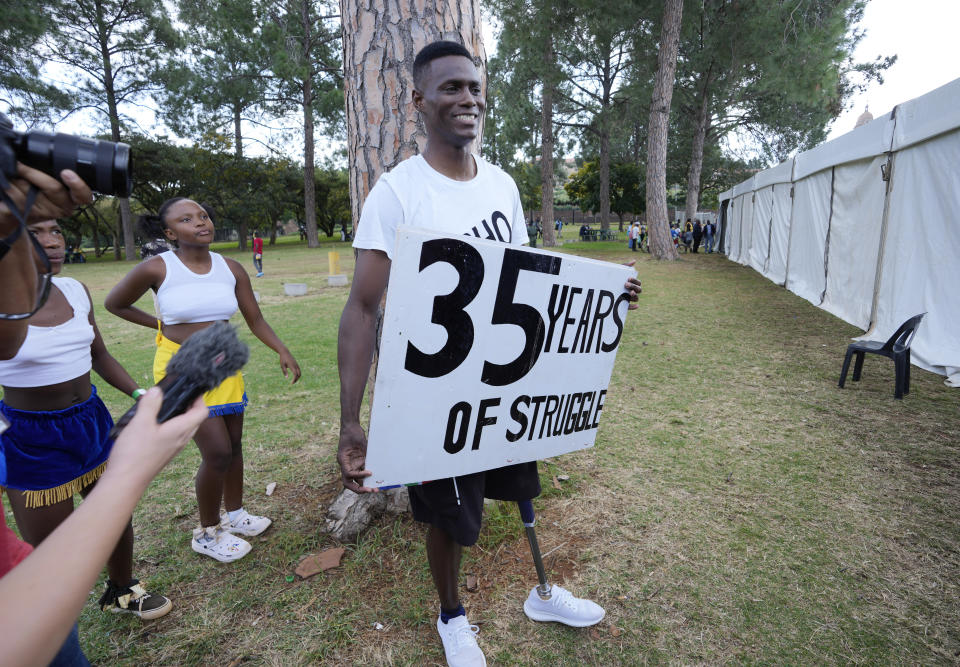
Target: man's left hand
[{"x": 633, "y": 287}]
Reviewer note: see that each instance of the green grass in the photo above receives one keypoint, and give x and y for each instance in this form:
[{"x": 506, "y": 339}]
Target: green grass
[{"x": 737, "y": 508}]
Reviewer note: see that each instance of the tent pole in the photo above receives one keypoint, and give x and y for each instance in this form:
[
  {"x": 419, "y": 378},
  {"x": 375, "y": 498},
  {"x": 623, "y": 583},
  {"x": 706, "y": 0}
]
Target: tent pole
[
  {"x": 887, "y": 174},
  {"x": 826, "y": 241},
  {"x": 793, "y": 199},
  {"x": 773, "y": 199}
]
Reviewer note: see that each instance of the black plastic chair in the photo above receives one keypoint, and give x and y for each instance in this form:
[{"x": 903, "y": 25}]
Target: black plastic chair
[{"x": 897, "y": 348}]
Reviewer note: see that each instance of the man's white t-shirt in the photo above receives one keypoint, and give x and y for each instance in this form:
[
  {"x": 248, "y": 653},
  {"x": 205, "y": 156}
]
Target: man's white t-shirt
[{"x": 415, "y": 194}]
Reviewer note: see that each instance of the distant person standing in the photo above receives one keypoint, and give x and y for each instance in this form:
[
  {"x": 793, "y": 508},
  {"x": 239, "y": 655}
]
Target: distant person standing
[
  {"x": 697, "y": 234},
  {"x": 632, "y": 235},
  {"x": 258, "y": 254},
  {"x": 708, "y": 232}
]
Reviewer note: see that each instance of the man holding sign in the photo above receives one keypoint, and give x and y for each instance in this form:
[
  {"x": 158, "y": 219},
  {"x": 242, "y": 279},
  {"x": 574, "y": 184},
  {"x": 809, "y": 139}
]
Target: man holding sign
[{"x": 451, "y": 191}]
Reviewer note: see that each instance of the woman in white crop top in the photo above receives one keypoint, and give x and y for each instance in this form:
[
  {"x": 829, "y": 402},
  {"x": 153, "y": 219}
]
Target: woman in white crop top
[
  {"x": 57, "y": 443},
  {"x": 195, "y": 288}
]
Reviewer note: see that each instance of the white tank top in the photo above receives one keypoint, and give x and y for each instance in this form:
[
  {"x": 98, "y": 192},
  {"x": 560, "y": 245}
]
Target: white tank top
[
  {"x": 185, "y": 296},
  {"x": 50, "y": 355}
]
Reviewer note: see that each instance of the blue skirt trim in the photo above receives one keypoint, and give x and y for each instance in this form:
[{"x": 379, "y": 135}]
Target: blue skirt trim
[{"x": 228, "y": 408}]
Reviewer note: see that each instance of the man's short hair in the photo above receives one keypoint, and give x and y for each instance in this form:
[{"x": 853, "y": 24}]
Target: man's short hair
[{"x": 435, "y": 50}]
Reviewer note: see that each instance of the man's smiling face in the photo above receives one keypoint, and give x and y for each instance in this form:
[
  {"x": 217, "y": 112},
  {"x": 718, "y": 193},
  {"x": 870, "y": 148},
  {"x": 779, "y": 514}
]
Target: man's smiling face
[{"x": 450, "y": 98}]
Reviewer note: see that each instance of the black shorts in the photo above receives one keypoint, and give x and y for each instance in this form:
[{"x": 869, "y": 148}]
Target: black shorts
[{"x": 436, "y": 502}]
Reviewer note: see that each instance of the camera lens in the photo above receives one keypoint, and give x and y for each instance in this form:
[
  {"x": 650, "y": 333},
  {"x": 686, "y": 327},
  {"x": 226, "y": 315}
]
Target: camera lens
[{"x": 105, "y": 166}]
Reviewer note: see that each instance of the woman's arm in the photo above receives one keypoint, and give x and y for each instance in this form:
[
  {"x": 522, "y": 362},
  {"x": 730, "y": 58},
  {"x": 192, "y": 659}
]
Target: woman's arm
[
  {"x": 79, "y": 547},
  {"x": 258, "y": 325},
  {"x": 145, "y": 275},
  {"x": 104, "y": 363}
]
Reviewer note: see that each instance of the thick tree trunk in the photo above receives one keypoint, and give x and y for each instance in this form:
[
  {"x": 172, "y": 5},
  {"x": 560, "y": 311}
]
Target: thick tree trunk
[
  {"x": 380, "y": 41},
  {"x": 661, "y": 245},
  {"x": 700, "y": 130},
  {"x": 546, "y": 154}
]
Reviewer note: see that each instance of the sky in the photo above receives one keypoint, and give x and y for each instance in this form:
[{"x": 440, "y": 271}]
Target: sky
[{"x": 923, "y": 35}]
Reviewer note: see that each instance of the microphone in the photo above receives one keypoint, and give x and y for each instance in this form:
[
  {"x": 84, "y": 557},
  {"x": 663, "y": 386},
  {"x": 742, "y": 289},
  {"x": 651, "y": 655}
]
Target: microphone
[{"x": 205, "y": 359}]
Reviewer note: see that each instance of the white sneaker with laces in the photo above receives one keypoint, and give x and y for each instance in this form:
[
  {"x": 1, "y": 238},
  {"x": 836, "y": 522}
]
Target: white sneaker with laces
[
  {"x": 460, "y": 643},
  {"x": 563, "y": 607},
  {"x": 246, "y": 524},
  {"x": 218, "y": 544}
]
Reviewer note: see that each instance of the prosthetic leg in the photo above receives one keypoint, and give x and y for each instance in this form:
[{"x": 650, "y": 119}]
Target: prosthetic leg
[{"x": 526, "y": 514}]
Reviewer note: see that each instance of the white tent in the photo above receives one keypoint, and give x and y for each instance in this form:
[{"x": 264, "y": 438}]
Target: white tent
[{"x": 866, "y": 226}]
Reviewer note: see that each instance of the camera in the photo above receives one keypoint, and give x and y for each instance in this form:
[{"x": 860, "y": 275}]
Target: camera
[{"x": 104, "y": 165}]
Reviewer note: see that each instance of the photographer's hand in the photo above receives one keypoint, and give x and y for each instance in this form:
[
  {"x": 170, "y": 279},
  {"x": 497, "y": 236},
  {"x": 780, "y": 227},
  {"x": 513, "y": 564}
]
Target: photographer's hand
[
  {"x": 54, "y": 199},
  {"x": 18, "y": 270}
]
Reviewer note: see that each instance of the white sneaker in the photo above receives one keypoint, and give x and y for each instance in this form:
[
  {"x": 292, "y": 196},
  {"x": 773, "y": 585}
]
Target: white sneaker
[
  {"x": 245, "y": 524},
  {"x": 218, "y": 544},
  {"x": 460, "y": 643},
  {"x": 563, "y": 607}
]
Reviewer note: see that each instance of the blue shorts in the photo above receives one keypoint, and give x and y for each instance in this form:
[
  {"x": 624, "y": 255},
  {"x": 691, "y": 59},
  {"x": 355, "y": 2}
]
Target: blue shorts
[
  {"x": 71, "y": 655},
  {"x": 54, "y": 455}
]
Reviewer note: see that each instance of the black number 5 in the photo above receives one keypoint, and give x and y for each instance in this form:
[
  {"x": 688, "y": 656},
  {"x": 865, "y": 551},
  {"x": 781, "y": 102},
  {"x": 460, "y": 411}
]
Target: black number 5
[
  {"x": 525, "y": 316},
  {"x": 448, "y": 308}
]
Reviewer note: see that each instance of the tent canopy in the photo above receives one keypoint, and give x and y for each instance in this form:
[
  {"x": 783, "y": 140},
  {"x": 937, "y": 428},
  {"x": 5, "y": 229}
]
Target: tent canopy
[{"x": 867, "y": 226}]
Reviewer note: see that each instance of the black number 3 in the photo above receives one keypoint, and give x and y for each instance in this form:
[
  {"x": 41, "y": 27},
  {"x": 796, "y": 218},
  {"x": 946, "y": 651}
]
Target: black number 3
[{"x": 448, "y": 308}]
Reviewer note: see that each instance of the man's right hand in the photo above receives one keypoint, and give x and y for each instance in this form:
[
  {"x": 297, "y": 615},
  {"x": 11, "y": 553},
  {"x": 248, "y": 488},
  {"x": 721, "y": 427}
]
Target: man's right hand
[
  {"x": 54, "y": 199},
  {"x": 352, "y": 455}
]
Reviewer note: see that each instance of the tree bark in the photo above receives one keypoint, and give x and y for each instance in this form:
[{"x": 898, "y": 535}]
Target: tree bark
[
  {"x": 242, "y": 230},
  {"x": 546, "y": 151},
  {"x": 95, "y": 233},
  {"x": 117, "y": 233},
  {"x": 605, "y": 144},
  {"x": 661, "y": 245},
  {"x": 701, "y": 127},
  {"x": 309, "y": 172},
  {"x": 309, "y": 175},
  {"x": 380, "y": 41}
]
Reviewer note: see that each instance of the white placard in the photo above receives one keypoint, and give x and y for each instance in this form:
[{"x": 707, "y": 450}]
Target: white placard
[{"x": 491, "y": 354}]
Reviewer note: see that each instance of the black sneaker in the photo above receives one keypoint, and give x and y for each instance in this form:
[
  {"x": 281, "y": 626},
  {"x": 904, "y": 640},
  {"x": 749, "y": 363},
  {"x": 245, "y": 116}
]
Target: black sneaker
[{"x": 134, "y": 599}]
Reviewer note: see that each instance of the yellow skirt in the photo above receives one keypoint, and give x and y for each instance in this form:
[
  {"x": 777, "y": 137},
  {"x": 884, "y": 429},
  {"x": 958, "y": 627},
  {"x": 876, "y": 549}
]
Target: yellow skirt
[{"x": 227, "y": 398}]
